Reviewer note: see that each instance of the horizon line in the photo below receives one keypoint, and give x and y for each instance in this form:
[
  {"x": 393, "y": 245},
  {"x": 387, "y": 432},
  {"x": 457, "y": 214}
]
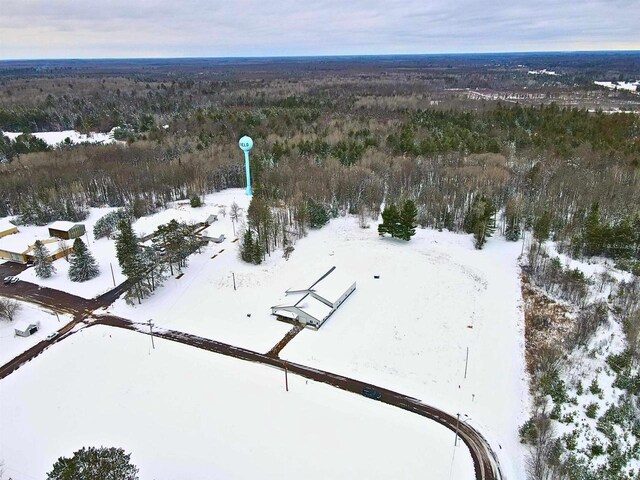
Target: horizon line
[{"x": 344, "y": 55}]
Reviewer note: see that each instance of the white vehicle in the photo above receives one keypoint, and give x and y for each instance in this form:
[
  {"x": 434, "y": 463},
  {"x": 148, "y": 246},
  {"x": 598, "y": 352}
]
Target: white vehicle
[{"x": 53, "y": 335}]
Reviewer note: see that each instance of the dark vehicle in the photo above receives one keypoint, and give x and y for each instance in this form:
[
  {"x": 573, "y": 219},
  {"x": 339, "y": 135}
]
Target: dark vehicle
[{"x": 371, "y": 393}]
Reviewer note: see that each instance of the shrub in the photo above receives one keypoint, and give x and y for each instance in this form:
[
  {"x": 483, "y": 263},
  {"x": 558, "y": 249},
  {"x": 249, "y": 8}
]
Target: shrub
[{"x": 591, "y": 410}]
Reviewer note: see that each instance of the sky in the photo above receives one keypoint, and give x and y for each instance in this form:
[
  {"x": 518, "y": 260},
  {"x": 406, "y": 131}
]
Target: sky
[{"x": 35, "y": 29}]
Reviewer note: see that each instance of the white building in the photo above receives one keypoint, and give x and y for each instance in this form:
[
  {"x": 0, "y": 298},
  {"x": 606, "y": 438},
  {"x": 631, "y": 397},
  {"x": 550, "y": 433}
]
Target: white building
[
  {"x": 314, "y": 305},
  {"x": 26, "y": 328}
]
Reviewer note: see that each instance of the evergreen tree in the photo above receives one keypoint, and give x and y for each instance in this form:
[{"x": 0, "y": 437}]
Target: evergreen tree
[
  {"x": 251, "y": 251},
  {"x": 594, "y": 232},
  {"x": 42, "y": 260},
  {"x": 130, "y": 260},
  {"x": 318, "y": 215},
  {"x": 95, "y": 464},
  {"x": 390, "y": 221},
  {"x": 407, "y": 223},
  {"x": 82, "y": 266},
  {"x": 512, "y": 222},
  {"x": 542, "y": 227},
  {"x": 480, "y": 220}
]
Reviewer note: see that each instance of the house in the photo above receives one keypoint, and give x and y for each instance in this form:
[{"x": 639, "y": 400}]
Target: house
[
  {"x": 66, "y": 230},
  {"x": 7, "y": 228},
  {"x": 314, "y": 305},
  {"x": 19, "y": 247},
  {"x": 26, "y": 328}
]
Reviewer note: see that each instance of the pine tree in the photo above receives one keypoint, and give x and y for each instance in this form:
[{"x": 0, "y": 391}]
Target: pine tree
[
  {"x": 318, "y": 215},
  {"x": 542, "y": 227},
  {"x": 42, "y": 261},
  {"x": 407, "y": 223},
  {"x": 390, "y": 221},
  {"x": 251, "y": 251},
  {"x": 130, "y": 260},
  {"x": 93, "y": 463},
  {"x": 82, "y": 266}
]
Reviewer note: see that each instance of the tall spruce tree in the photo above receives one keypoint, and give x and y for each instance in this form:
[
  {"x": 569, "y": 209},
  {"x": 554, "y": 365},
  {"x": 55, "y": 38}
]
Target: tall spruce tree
[
  {"x": 407, "y": 223},
  {"x": 542, "y": 227},
  {"x": 390, "y": 221},
  {"x": 82, "y": 265},
  {"x": 130, "y": 260},
  {"x": 42, "y": 260}
]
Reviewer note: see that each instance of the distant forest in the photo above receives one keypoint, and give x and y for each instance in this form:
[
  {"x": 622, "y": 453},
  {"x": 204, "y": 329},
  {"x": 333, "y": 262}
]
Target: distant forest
[{"x": 346, "y": 134}]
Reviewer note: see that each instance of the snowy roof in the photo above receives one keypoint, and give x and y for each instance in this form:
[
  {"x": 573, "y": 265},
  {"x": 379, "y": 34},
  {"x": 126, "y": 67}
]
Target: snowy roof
[
  {"x": 22, "y": 242},
  {"x": 314, "y": 307},
  {"x": 333, "y": 286},
  {"x": 5, "y": 224},
  {"x": 62, "y": 225},
  {"x": 24, "y": 325}
]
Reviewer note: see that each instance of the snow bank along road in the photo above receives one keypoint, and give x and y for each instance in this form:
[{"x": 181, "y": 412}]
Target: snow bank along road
[{"x": 484, "y": 459}]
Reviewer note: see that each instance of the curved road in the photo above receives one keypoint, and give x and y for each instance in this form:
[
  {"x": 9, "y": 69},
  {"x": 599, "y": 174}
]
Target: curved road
[{"x": 484, "y": 458}]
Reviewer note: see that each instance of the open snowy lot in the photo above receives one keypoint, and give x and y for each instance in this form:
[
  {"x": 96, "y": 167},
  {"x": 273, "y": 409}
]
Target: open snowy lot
[
  {"x": 55, "y": 138},
  {"x": 408, "y": 330},
  {"x": 12, "y": 345},
  {"x": 185, "y": 413}
]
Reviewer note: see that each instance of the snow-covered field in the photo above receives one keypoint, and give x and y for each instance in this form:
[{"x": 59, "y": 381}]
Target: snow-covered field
[
  {"x": 408, "y": 331},
  {"x": 12, "y": 345},
  {"x": 55, "y": 138},
  {"x": 186, "y": 413},
  {"x": 628, "y": 86}
]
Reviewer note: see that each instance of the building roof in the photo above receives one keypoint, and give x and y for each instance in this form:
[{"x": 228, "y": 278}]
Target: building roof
[
  {"x": 24, "y": 325},
  {"x": 5, "y": 225},
  {"x": 22, "y": 242},
  {"x": 333, "y": 285},
  {"x": 63, "y": 225}
]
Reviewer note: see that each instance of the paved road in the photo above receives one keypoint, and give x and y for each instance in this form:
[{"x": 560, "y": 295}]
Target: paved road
[{"x": 484, "y": 458}]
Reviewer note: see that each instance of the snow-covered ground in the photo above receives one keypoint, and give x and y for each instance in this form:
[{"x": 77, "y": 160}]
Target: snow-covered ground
[
  {"x": 186, "y": 413},
  {"x": 12, "y": 345},
  {"x": 629, "y": 86},
  {"x": 408, "y": 331},
  {"x": 55, "y": 138}
]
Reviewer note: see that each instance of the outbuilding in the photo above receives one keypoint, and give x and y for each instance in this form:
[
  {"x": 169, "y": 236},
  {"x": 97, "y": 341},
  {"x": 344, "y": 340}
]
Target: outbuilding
[
  {"x": 66, "y": 230},
  {"x": 7, "y": 228},
  {"x": 26, "y": 328},
  {"x": 314, "y": 305}
]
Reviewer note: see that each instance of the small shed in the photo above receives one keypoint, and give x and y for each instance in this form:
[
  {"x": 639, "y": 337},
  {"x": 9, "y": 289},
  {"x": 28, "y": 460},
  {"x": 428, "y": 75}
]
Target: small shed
[
  {"x": 26, "y": 328},
  {"x": 210, "y": 219},
  {"x": 66, "y": 230},
  {"x": 7, "y": 228}
]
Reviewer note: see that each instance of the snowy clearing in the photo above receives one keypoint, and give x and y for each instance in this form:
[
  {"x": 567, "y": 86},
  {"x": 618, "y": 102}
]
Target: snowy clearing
[
  {"x": 407, "y": 331},
  {"x": 185, "y": 413},
  {"x": 54, "y": 138},
  {"x": 12, "y": 345},
  {"x": 628, "y": 86}
]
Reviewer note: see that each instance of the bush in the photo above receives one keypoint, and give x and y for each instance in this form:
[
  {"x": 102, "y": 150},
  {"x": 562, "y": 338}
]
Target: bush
[
  {"x": 594, "y": 388},
  {"x": 195, "y": 201},
  {"x": 591, "y": 410}
]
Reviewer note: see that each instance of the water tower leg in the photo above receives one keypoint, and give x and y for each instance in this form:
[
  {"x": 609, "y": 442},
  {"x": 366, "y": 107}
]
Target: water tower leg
[{"x": 248, "y": 172}]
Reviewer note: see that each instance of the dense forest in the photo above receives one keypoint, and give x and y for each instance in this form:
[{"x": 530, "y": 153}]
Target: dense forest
[{"x": 474, "y": 144}]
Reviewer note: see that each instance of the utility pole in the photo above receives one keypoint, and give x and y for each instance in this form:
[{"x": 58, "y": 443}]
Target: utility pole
[
  {"x": 113, "y": 277},
  {"x": 466, "y": 363},
  {"x": 286, "y": 378},
  {"x": 234, "y": 280},
  {"x": 455, "y": 443},
  {"x": 57, "y": 316},
  {"x": 151, "y": 333}
]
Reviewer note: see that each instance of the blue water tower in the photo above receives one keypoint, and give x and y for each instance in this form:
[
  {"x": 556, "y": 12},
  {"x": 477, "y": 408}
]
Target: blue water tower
[{"x": 246, "y": 144}]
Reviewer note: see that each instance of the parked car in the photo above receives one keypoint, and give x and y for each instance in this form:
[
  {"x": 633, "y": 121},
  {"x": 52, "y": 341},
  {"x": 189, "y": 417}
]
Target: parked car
[
  {"x": 371, "y": 393},
  {"x": 14, "y": 280},
  {"x": 53, "y": 335}
]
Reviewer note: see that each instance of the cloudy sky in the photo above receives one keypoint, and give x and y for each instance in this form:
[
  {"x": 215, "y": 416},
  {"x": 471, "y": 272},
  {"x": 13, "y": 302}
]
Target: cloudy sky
[{"x": 179, "y": 28}]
